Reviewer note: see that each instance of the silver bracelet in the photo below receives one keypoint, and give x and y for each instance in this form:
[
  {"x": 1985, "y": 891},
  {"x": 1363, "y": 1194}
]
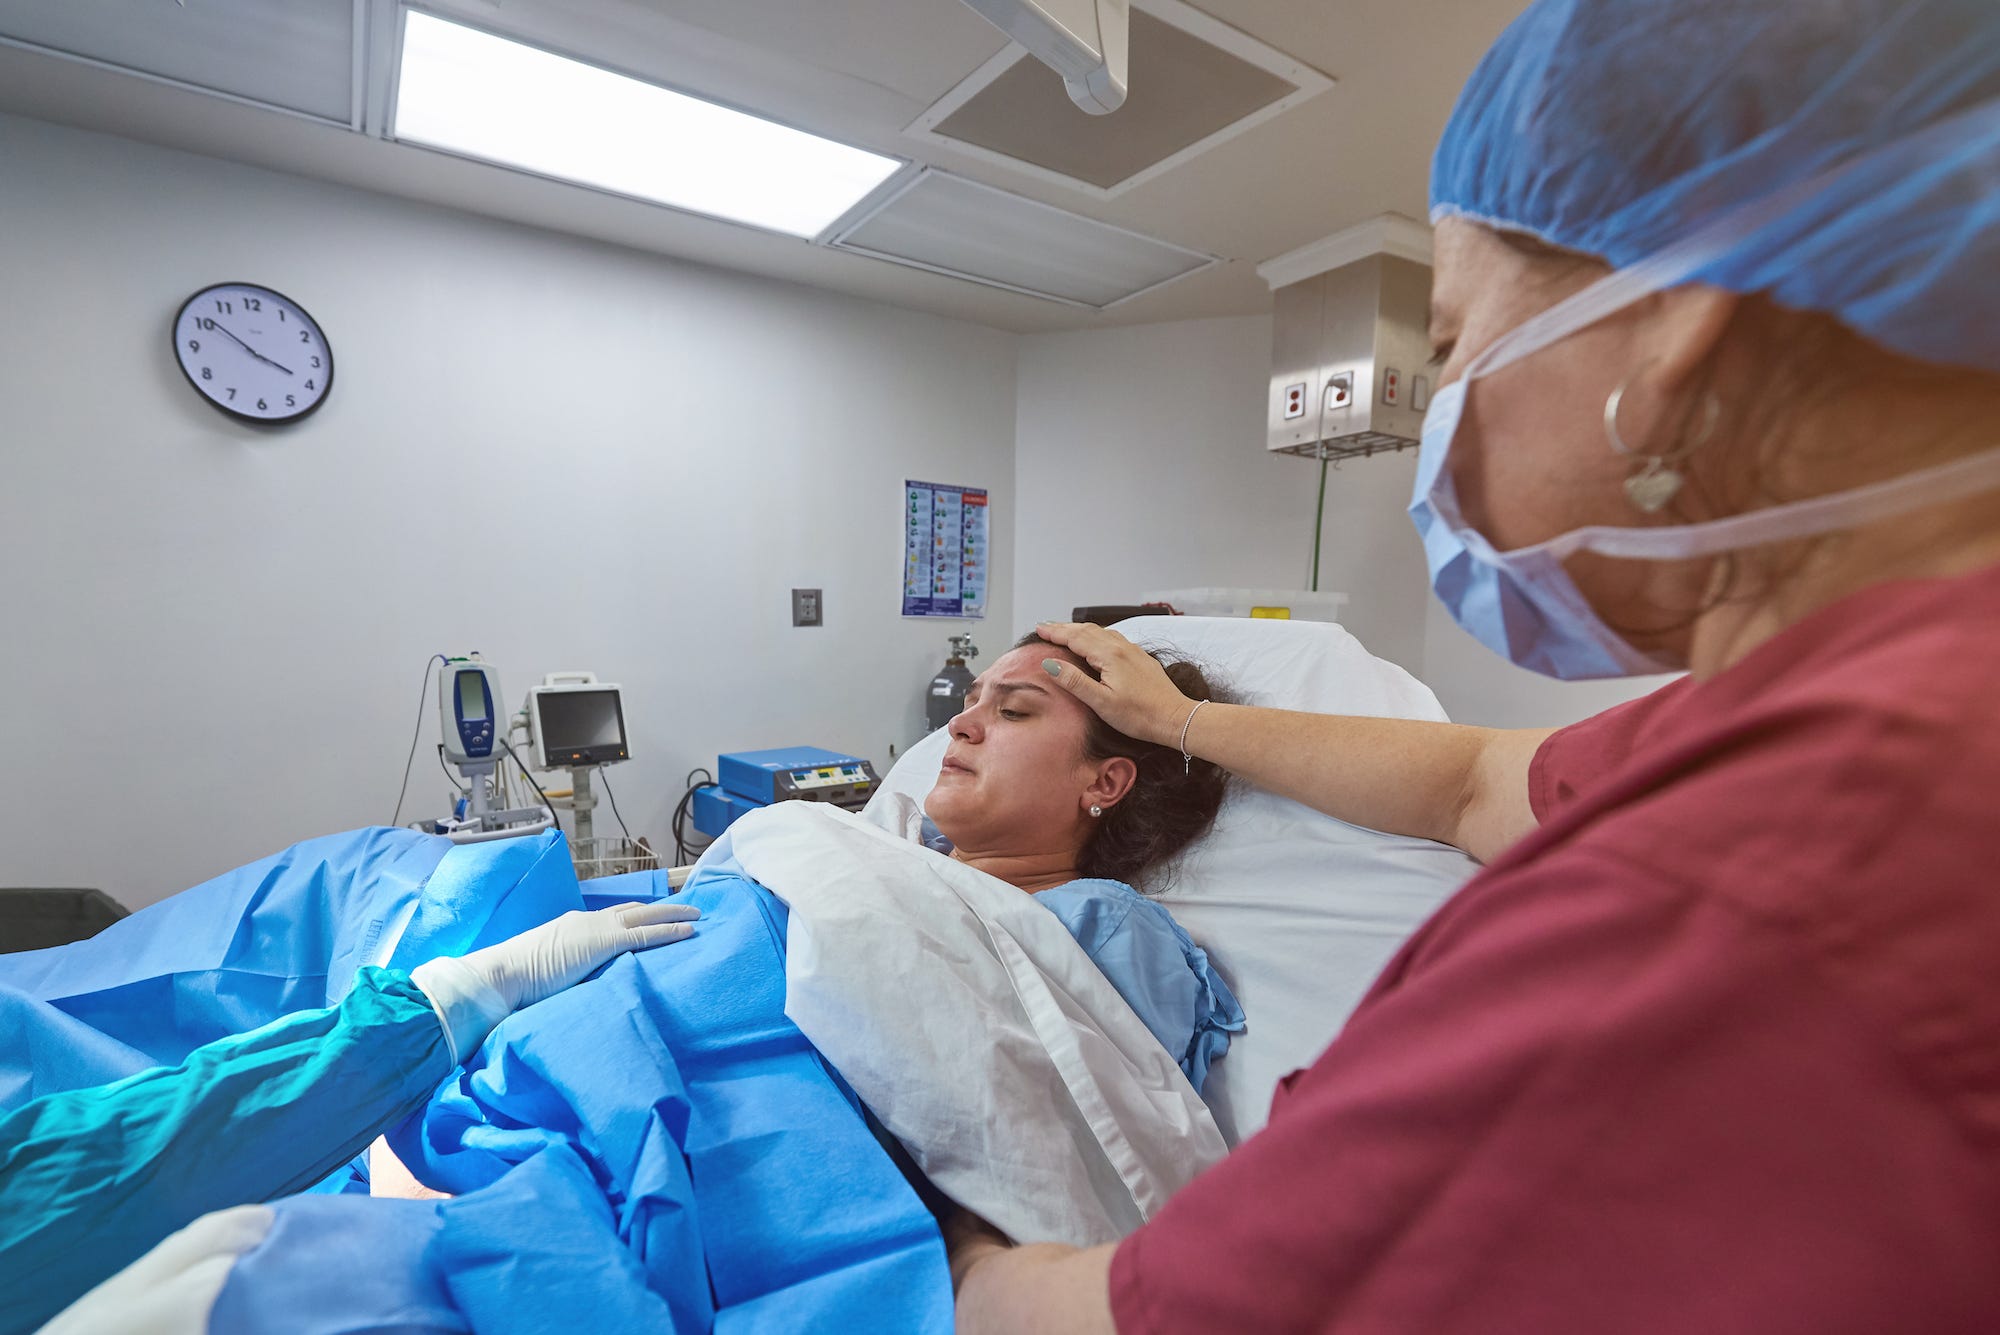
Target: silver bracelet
[{"x": 1187, "y": 761}]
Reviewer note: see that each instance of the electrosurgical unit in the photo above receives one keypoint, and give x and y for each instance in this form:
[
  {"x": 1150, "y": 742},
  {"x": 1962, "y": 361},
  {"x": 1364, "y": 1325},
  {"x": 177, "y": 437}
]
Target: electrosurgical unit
[{"x": 747, "y": 780}]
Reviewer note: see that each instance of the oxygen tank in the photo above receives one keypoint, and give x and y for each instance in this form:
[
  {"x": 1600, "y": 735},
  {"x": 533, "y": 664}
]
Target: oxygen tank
[{"x": 945, "y": 696}]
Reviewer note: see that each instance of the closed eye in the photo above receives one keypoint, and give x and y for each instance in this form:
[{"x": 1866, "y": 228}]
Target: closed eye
[
  {"x": 1442, "y": 352},
  {"x": 1012, "y": 714}
]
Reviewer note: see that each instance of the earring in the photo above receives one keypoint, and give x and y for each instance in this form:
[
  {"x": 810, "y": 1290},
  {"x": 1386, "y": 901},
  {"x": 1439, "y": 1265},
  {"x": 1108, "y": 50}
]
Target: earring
[
  {"x": 1097, "y": 811},
  {"x": 1656, "y": 482}
]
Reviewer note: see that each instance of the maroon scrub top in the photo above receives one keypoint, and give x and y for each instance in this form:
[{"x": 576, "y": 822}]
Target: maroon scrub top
[{"x": 1715, "y": 1049}]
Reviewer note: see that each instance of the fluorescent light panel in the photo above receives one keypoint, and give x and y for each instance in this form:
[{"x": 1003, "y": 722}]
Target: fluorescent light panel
[{"x": 469, "y": 92}]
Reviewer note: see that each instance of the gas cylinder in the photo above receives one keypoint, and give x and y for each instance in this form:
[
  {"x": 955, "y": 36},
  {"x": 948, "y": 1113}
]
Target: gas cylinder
[{"x": 945, "y": 696}]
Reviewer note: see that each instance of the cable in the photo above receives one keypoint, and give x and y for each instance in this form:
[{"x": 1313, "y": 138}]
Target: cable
[
  {"x": 681, "y": 846},
  {"x": 1319, "y": 518},
  {"x": 531, "y": 780},
  {"x": 463, "y": 791},
  {"x": 423, "y": 691},
  {"x": 605, "y": 779}
]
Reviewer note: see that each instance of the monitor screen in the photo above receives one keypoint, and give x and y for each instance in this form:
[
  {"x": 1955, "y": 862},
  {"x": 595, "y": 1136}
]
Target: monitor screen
[
  {"x": 471, "y": 695},
  {"x": 586, "y": 726}
]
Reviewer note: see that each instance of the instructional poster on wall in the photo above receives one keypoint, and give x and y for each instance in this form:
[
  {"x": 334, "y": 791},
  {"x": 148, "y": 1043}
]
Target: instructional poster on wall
[{"x": 944, "y": 550}]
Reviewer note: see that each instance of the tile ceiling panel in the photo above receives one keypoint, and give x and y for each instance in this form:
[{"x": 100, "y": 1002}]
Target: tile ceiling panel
[
  {"x": 960, "y": 227},
  {"x": 297, "y": 54}
]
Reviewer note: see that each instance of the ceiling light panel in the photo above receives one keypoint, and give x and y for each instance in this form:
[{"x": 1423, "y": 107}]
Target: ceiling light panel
[
  {"x": 297, "y": 56},
  {"x": 469, "y": 92},
  {"x": 950, "y": 225}
]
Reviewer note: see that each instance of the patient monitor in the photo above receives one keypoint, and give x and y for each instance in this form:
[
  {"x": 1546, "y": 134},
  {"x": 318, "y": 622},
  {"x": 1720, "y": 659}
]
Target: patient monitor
[
  {"x": 1082, "y": 40},
  {"x": 468, "y": 710},
  {"x": 576, "y": 720},
  {"x": 474, "y": 740}
]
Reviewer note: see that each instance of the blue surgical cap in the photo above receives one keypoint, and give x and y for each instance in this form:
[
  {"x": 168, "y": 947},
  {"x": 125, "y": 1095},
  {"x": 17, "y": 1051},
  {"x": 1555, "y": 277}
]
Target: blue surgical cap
[{"x": 1854, "y": 143}]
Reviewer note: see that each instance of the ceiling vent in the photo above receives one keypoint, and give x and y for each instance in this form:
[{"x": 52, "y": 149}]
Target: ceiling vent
[
  {"x": 1195, "y": 83},
  {"x": 950, "y": 225},
  {"x": 297, "y": 57}
]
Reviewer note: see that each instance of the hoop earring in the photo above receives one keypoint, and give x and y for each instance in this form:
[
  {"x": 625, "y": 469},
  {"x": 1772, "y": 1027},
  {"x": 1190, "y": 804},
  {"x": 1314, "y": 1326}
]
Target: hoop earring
[
  {"x": 1097, "y": 811},
  {"x": 1655, "y": 482}
]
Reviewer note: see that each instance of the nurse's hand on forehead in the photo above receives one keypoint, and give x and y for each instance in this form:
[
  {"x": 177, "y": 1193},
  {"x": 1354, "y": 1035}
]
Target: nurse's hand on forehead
[
  {"x": 1446, "y": 782},
  {"x": 1134, "y": 695}
]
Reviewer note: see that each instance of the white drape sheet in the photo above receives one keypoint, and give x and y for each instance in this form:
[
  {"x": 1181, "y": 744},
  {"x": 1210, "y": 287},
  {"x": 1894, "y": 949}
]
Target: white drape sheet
[{"x": 976, "y": 1029}]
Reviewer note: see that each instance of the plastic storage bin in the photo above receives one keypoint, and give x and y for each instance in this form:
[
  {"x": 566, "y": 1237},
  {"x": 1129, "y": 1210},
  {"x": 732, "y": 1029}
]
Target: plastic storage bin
[{"x": 1279, "y": 604}]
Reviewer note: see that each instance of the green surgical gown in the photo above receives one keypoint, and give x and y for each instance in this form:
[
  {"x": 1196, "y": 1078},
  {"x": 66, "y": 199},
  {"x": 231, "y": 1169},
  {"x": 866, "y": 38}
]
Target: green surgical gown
[{"x": 91, "y": 1179}]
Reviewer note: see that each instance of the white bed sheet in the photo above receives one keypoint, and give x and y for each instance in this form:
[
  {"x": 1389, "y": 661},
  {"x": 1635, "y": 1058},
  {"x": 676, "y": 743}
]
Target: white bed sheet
[{"x": 1298, "y": 911}]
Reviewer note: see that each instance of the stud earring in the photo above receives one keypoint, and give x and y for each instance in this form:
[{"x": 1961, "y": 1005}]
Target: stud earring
[
  {"x": 1656, "y": 482},
  {"x": 1097, "y": 811}
]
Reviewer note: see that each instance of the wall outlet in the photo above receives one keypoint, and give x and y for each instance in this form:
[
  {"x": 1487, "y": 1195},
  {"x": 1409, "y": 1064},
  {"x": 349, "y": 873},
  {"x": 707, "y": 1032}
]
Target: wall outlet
[
  {"x": 1392, "y": 387},
  {"x": 806, "y": 607}
]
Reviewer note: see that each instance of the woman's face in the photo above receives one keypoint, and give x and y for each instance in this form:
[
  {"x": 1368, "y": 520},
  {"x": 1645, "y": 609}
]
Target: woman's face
[
  {"x": 1015, "y": 779},
  {"x": 1531, "y": 459}
]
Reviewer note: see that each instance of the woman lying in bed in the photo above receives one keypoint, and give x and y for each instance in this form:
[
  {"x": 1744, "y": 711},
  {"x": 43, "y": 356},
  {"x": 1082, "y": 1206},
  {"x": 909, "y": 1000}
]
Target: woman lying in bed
[
  {"x": 1038, "y": 791},
  {"x": 662, "y": 1148}
]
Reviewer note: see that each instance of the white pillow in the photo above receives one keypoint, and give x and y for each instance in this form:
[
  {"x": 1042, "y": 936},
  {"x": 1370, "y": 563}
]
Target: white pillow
[{"x": 1297, "y": 910}]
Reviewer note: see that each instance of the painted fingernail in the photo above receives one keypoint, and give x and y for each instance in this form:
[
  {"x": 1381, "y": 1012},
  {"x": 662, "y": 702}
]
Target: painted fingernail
[{"x": 1053, "y": 668}]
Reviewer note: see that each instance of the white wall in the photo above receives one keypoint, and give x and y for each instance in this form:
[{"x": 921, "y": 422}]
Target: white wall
[
  {"x": 1140, "y": 465},
  {"x": 1476, "y": 685},
  {"x": 560, "y": 454}
]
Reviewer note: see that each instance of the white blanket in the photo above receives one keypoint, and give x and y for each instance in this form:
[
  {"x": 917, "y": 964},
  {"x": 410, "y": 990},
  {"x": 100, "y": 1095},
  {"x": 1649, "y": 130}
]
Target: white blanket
[{"x": 976, "y": 1029}]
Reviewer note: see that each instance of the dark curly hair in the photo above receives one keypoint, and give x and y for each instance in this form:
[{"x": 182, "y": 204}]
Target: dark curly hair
[{"x": 1170, "y": 804}]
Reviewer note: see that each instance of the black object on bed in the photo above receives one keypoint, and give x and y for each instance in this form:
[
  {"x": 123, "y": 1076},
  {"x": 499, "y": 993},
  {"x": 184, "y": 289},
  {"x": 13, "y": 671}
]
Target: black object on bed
[{"x": 36, "y": 918}]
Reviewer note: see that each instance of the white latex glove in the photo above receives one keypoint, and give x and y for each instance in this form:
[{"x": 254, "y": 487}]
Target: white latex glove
[
  {"x": 473, "y": 993},
  {"x": 172, "y": 1289}
]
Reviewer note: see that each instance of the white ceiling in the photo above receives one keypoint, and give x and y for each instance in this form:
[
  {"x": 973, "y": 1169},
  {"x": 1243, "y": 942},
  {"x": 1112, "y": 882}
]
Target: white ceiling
[{"x": 861, "y": 71}]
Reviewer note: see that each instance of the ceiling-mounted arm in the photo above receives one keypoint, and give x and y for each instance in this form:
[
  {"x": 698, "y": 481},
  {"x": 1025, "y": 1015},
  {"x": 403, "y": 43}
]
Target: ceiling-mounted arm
[{"x": 1085, "y": 41}]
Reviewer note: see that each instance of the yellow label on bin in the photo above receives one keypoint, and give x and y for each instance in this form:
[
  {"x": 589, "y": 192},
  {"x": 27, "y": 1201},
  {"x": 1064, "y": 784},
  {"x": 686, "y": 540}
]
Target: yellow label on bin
[{"x": 1272, "y": 613}]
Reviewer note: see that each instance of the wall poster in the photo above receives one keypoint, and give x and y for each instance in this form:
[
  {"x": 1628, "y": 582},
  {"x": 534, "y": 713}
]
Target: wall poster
[{"x": 944, "y": 550}]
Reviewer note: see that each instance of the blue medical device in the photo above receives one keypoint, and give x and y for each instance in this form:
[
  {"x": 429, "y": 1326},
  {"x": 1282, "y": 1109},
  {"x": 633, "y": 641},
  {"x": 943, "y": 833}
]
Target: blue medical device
[{"x": 746, "y": 780}]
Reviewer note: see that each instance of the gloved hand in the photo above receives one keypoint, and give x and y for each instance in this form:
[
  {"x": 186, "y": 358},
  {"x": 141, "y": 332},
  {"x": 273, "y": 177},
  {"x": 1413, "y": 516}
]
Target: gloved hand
[{"x": 473, "y": 993}]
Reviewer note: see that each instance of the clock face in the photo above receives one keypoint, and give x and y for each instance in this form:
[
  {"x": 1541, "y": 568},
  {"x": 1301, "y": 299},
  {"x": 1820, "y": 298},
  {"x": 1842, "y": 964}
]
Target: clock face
[{"x": 253, "y": 353}]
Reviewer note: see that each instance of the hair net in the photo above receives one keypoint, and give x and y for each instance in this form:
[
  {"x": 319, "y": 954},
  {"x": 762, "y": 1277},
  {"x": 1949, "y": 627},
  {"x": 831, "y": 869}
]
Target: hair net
[{"x": 1840, "y": 156}]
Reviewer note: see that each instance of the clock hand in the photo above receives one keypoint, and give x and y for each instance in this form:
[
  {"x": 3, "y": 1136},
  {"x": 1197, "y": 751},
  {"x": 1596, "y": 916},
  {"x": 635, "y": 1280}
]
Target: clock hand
[{"x": 247, "y": 348}]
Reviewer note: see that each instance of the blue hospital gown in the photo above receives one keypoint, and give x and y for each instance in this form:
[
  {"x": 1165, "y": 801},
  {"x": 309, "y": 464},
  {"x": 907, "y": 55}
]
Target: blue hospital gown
[{"x": 1163, "y": 975}]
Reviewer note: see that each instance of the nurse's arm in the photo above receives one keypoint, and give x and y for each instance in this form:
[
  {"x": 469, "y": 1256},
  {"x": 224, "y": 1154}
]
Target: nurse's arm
[
  {"x": 1047, "y": 1289},
  {"x": 1455, "y": 784},
  {"x": 1458, "y": 785}
]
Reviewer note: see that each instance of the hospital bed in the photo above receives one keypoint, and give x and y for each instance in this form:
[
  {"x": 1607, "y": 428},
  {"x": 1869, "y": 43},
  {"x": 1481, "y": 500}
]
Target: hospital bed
[{"x": 1297, "y": 910}]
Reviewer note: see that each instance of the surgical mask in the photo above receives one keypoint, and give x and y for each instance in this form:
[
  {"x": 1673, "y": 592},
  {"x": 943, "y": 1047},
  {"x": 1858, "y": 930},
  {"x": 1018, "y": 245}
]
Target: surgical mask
[{"x": 1522, "y": 604}]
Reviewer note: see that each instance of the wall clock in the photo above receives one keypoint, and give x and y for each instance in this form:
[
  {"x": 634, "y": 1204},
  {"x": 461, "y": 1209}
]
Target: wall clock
[{"x": 253, "y": 353}]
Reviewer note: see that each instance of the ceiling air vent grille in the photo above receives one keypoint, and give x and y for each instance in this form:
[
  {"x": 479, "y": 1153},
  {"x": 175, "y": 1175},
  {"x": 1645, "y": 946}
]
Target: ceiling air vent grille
[{"x": 1195, "y": 83}]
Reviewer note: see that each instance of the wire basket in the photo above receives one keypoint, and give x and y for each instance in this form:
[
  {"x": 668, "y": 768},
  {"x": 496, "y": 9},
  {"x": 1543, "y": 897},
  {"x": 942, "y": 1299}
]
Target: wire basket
[{"x": 613, "y": 855}]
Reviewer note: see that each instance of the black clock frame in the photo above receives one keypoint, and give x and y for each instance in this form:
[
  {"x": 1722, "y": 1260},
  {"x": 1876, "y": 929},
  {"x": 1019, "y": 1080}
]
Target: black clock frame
[{"x": 174, "y": 343}]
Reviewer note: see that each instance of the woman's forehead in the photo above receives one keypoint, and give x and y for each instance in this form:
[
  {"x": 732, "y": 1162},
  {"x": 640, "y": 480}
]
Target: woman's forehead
[
  {"x": 1018, "y": 664},
  {"x": 1022, "y": 669}
]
